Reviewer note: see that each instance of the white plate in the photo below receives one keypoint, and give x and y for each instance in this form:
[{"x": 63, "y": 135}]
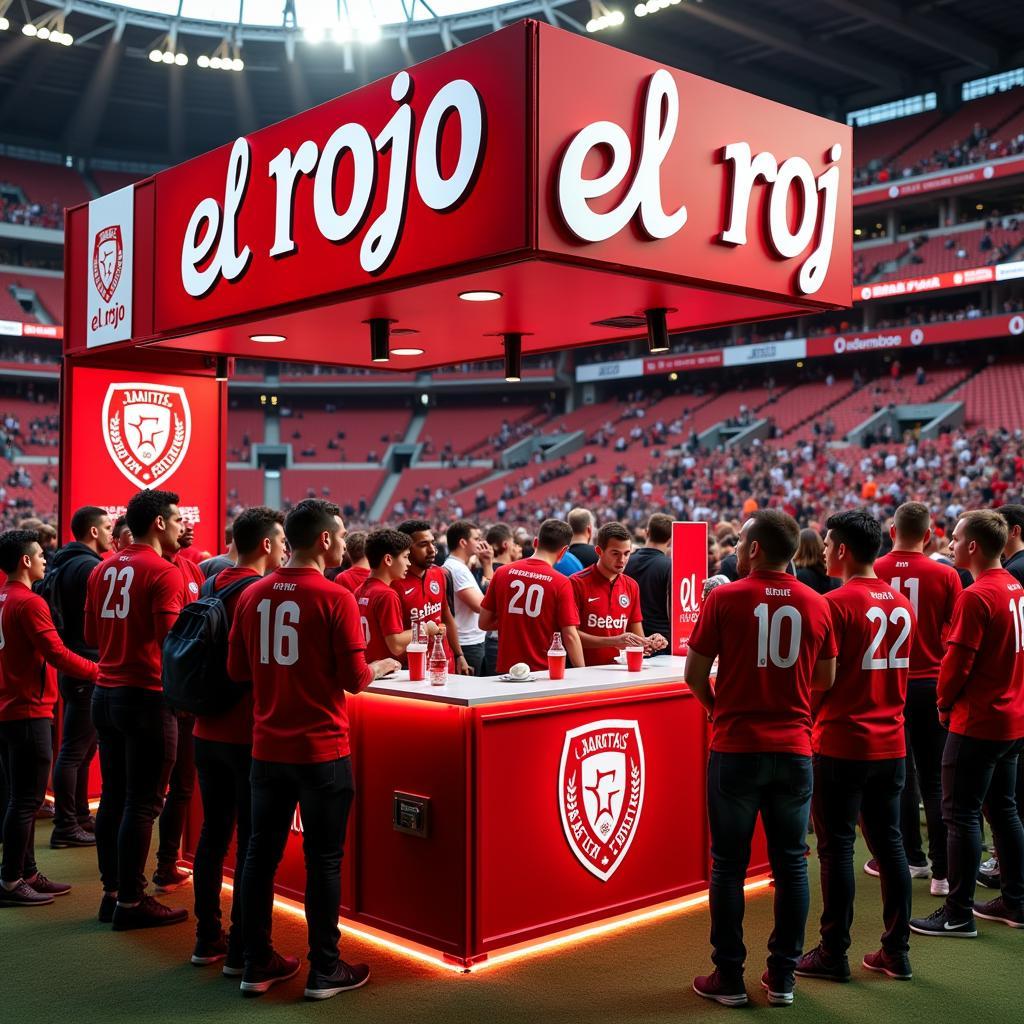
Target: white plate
[{"x": 506, "y": 678}]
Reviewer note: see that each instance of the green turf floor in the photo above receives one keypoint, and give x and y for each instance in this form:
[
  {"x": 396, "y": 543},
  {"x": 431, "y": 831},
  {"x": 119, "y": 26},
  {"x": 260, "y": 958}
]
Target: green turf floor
[{"x": 59, "y": 964}]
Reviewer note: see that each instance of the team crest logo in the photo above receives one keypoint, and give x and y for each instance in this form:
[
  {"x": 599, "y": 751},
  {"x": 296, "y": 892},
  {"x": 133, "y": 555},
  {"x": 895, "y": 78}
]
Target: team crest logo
[
  {"x": 193, "y": 587},
  {"x": 435, "y": 587},
  {"x": 147, "y": 429},
  {"x": 624, "y": 600},
  {"x": 601, "y": 792},
  {"x": 107, "y": 261}
]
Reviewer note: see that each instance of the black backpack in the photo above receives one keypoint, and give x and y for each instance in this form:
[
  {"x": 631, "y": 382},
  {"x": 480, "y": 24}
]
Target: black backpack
[{"x": 195, "y": 674}]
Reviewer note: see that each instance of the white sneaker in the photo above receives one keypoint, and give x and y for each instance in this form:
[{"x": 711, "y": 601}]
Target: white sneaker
[
  {"x": 990, "y": 866},
  {"x": 939, "y": 887},
  {"x": 920, "y": 870}
]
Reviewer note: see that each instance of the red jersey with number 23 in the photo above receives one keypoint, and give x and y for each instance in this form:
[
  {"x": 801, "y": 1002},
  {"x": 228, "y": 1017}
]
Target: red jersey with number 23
[
  {"x": 768, "y": 631},
  {"x": 531, "y": 602},
  {"x": 861, "y": 717}
]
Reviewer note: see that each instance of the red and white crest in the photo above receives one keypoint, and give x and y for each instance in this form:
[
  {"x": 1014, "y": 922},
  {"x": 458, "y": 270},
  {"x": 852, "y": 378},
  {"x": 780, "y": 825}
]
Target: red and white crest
[
  {"x": 601, "y": 792},
  {"x": 107, "y": 261},
  {"x": 147, "y": 429}
]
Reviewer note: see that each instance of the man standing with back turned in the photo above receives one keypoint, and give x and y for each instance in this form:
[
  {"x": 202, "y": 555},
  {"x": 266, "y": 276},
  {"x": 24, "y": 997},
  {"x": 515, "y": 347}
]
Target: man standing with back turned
[
  {"x": 297, "y": 637},
  {"x": 773, "y": 639}
]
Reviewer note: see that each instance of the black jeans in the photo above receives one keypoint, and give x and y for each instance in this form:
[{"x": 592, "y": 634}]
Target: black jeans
[
  {"x": 778, "y": 786},
  {"x": 138, "y": 737},
  {"x": 26, "y": 746},
  {"x": 490, "y": 666},
  {"x": 474, "y": 655},
  {"x": 179, "y": 795},
  {"x": 976, "y": 775},
  {"x": 226, "y": 792},
  {"x": 843, "y": 792},
  {"x": 77, "y": 749},
  {"x": 324, "y": 793},
  {"x": 926, "y": 739}
]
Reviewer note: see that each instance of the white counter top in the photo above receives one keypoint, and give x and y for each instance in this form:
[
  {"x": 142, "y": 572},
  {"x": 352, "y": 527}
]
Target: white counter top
[{"x": 468, "y": 691}]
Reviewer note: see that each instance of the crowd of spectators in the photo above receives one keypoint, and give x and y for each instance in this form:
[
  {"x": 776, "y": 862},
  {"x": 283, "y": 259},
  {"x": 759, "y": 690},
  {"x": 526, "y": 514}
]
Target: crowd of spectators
[{"x": 14, "y": 210}]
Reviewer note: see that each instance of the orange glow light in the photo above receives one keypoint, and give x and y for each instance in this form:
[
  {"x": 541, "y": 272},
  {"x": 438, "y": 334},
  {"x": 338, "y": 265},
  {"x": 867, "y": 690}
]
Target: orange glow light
[{"x": 571, "y": 937}]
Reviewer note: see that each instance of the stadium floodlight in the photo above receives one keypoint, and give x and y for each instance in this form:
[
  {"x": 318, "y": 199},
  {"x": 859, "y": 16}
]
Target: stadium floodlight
[
  {"x": 380, "y": 339},
  {"x": 602, "y": 17},
  {"x": 28, "y": 29},
  {"x": 4, "y": 24}
]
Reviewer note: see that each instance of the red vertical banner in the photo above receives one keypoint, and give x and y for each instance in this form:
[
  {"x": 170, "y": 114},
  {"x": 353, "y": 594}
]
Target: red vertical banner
[
  {"x": 689, "y": 571},
  {"x": 129, "y": 429}
]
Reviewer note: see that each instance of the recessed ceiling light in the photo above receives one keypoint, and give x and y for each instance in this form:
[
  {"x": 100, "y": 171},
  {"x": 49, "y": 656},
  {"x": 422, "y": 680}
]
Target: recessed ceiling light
[
  {"x": 267, "y": 339},
  {"x": 479, "y": 296},
  {"x": 407, "y": 351}
]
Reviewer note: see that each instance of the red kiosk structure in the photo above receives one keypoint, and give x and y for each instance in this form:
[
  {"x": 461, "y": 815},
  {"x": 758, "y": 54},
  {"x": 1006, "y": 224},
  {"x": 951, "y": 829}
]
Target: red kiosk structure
[{"x": 528, "y": 192}]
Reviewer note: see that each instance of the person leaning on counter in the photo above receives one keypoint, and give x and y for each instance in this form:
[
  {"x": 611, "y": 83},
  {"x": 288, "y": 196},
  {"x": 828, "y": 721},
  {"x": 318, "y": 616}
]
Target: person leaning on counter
[
  {"x": 528, "y": 601},
  {"x": 608, "y": 602}
]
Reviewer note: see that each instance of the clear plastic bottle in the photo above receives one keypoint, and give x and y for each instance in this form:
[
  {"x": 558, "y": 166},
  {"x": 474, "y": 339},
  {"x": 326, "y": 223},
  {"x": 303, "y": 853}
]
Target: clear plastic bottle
[{"x": 437, "y": 663}]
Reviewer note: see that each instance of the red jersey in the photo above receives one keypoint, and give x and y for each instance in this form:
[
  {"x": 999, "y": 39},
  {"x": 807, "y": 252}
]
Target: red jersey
[
  {"x": 932, "y": 589},
  {"x": 192, "y": 554},
  {"x": 423, "y": 599},
  {"x": 131, "y": 603},
  {"x": 235, "y": 724},
  {"x": 606, "y": 608},
  {"x": 296, "y": 637},
  {"x": 531, "y": 602},
  {"x": 192, "y": 576},
  {"x": 28, "y": 643},
  {"x": 989, "y": 620},
  {"x": 768, "y": 631},
  {"x": 353, "y": 578},
  {"x": 861, "y": 717},
  {"x": 380, "y": 615}
]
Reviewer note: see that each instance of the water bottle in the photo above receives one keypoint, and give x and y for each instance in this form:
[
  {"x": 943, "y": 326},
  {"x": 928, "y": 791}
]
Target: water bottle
[{"x": 437, "y": 665}]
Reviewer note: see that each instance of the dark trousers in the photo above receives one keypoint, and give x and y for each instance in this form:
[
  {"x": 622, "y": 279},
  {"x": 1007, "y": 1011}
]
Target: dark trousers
[
  {"x": 138, "y": 737},
  {"x": 474, "y": 655},
  {"x": 778, "y": 786},
  {"x": 26, "y": 747},
  {"x": 77, "y": 749},
  {"x": 490, "y": 666},
  {"x": 844, "y": 791},
  {"x": 181, "y": 786},
  {"x": 324, "y": 794},
  {"x": 976, "y": 775},
  {"x": 926, "y": 739},
  {"x": 226, "y": 792}
]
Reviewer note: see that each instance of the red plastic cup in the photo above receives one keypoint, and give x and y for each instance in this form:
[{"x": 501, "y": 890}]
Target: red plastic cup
[
  {"x": 556, "y": 665},
  {"x": 417, "y": 662},
  {"x": 634, "y": 659}
]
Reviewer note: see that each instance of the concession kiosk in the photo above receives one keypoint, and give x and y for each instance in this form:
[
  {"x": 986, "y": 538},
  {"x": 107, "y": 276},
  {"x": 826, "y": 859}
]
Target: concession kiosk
[{"x": 528, "y": 192}]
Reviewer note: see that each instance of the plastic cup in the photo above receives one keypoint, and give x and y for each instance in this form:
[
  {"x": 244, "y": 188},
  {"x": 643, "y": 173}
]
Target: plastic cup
[
  {"x": 417, "y": 662},
  {"x": 556, "y": 664},
  {"x": 634, "y": 659}
]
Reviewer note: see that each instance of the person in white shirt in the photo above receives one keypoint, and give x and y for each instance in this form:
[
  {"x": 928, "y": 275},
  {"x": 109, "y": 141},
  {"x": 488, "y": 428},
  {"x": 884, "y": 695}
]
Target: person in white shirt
[{"x": 465, "y": 541}]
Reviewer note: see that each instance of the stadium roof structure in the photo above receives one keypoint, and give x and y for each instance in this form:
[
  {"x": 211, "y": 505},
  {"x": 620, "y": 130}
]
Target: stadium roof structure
[{"x": 120, "y": 88}]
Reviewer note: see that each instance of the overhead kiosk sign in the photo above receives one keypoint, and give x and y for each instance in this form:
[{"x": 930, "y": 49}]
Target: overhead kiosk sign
[{"x": 575, "y": 199}]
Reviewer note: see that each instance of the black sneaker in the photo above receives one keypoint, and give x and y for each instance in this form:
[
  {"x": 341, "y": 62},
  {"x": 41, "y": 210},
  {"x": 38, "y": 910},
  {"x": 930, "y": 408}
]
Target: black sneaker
[
  {"x": 941, "y": 925},
  {"x": 256, "y": 980},
  {"x": 714, "y": 987},
  {"x": 45, "y": 812},
  {"x": 107, "y": 906},
  {"x": 147, "y": 913},
  {"x": 343, "y": 978},
  {"x": 62, "y": 838},
  {"x": 23, "y": 895},
  {"x": 897, "y": 967},
  {"x": 234, "y": 964},
  {"x": 818, "y": 964},
  {"x": 988, "y": 874},
  {"x": 997, "y": 910},
  {"x": 780, "y": 993},
  {"x": 42, "y": 884},
  {"x": 206, "y": 953},
  {"x": 169, "y": 878},
  {"x": 88, "y": 824}
]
